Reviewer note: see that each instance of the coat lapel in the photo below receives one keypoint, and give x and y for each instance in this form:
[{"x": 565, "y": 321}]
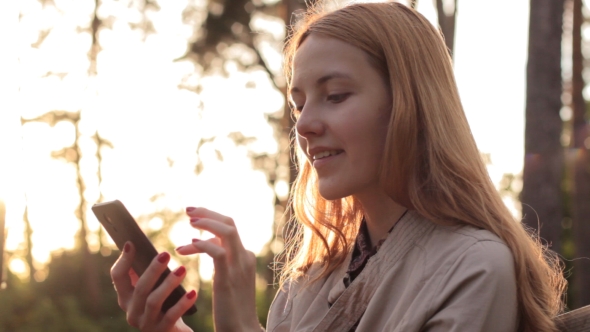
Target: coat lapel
[{"x": 350, "y": 303}]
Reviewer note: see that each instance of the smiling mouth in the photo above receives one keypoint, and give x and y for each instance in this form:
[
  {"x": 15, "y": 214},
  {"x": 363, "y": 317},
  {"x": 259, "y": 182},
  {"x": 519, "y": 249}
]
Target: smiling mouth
[{"x": 326, "y": 154}]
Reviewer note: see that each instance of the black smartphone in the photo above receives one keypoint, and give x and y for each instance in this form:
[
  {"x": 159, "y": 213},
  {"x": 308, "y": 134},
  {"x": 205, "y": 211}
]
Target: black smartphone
[{"x": 122, "y": 227}]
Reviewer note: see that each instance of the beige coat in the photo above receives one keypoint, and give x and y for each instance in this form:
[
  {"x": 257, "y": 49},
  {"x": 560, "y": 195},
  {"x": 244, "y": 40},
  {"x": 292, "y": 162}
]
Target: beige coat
[{"x": 425, "y": 277}]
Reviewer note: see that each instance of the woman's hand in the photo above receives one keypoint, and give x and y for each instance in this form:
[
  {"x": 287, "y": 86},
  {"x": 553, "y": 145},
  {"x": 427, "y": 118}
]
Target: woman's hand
[
  {"x": 142, "y": 303},
  {"x": 234, "y": 289}
]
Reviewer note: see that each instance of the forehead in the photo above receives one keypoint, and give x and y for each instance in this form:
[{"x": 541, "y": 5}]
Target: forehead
[{"x": 319, "y": 55}]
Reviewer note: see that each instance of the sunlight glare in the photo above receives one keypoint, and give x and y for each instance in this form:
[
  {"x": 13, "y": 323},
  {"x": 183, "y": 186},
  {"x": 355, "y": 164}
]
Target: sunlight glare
[
  {"x": 155, "y": 224},
  {"x": 11, "y": 193},
  {"x": 19, "y": 268},
  {"x": 160, "y": 132}
]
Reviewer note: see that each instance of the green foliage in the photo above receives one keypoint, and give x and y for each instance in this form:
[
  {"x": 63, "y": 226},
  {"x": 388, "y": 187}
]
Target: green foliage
[
  {"x": 22, "y": 308},
  {"x": 60, "y": 303},
  {"x": 203, "y": 319}
]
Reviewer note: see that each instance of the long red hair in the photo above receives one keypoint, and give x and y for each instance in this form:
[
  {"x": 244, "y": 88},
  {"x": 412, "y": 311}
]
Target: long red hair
[{"x": 431, "y": 163}]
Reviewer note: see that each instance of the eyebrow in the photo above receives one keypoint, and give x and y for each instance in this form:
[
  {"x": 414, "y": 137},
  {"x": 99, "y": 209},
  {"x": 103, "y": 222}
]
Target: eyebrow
[{"x": 324, "y": 79}]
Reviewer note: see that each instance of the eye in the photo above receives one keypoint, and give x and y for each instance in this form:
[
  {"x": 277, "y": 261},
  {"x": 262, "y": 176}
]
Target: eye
[
  {"x": 296, "y": 111},
  {"x": 338, "y": 98},
  {"x": 295, "y": 108}
]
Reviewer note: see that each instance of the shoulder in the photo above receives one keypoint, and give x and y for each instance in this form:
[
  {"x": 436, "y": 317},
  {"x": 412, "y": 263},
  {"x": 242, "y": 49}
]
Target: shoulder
[
  {"x": 474, "y": 281},
  {"x": 439, "y": 250},
  {"x": 461, "y": 251},
  {"x": 423, "y": 232},
  {"x": 467, "y": 242},
  {"x": 461, "y": 255}
]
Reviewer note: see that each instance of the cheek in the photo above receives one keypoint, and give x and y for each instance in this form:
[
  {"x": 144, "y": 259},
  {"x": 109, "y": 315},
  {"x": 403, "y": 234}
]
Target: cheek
[
  {"x": 382, "y": 127},
  {"x": 372, "y": 144}
]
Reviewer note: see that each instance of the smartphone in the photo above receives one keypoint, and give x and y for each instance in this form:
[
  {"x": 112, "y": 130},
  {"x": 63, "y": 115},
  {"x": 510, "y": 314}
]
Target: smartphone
[{"x": 122, "y": 227}]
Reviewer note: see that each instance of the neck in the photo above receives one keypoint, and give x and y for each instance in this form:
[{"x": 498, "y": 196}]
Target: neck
[{"x": 381, "y": 213}]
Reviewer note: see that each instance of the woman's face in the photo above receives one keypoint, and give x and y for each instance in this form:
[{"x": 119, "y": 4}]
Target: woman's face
[{"x": 343, "y": 107}]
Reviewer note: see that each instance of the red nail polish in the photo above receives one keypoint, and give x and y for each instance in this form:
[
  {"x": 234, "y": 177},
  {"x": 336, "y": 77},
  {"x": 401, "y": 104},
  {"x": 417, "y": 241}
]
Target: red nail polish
[
  {"x": 126, "y": 247},
  {"x": 190, "y": 208},
  {"x": 196, "y": 240},
  {"x": 163, "y": 257},
  {"x": 191, "y": 295},
  {"x": 180, "y": 271},
  {"x": 195, "y": 219}
]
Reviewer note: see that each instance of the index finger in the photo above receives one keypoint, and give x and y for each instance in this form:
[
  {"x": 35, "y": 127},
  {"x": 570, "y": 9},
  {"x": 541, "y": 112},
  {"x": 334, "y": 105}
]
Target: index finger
[
  {"x": 200, "y": 212},
  {"x": 221, "y": 226}
]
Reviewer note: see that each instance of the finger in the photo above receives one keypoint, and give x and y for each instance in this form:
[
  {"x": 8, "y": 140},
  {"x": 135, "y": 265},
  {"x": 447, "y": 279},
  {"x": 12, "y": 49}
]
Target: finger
[
  {"x": 214, "y": 250},
  {"x": 176, "y": 311},
  {"x": 120, "y": 275},
  {"x": 147, "y": 282},
  {"x": 190, "y": 249},
  {"x": 154, "y": 302},
  {"x": 228, "y": 234},
  {"x": 199, "y": 212}
]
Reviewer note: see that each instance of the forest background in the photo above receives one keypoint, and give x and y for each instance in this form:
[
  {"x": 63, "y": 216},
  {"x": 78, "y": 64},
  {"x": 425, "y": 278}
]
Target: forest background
[{"x": 166, "y": 104}]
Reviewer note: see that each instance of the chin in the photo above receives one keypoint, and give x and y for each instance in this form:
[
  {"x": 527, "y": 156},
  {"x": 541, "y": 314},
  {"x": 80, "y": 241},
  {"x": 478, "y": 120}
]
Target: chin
[{"x": 332, "y": 193}]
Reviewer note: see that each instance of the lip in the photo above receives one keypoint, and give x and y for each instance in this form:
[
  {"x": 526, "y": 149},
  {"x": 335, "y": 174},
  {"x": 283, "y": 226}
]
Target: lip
[
  {"x": 321, "y": 162},
  {"x": 318, "y": 149}
]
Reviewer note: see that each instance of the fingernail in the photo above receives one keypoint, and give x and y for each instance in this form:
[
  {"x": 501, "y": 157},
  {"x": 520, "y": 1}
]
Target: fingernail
[
  {"x": 163, "y": 257},
  {"x": 180, "y": 271},
  {"x": 193, "y": 220},
  {"x": 126, "y": 247},
  {"x": 196, "y": 240},
  {"x": 190, "y": 208},
  {"x": 191, "y": 295}
]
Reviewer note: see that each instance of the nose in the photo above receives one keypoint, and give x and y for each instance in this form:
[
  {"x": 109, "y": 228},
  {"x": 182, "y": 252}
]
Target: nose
[{"x": 309, "y": 123}]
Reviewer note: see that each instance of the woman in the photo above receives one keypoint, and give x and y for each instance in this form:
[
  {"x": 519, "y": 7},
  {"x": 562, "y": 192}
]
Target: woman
[{"x": 402, "y": 228}]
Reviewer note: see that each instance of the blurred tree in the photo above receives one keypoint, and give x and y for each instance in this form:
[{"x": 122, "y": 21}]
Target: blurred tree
[
  {"x": 447, "y": 17},
  {"x": 56, "y": 303},
  {"x": 79, "y": 279},
  {"x": 100, "y": 144},
  {"x": 227, "y": 34},
  {"x": 73, "y": 154},
  {"x": 29, "y": 245},
  {"x": 446, "y": 11},
  {"x": 2, "y": 238},
  {"x": 580, "y": 142},
  {"x": 543, "y": 163}
]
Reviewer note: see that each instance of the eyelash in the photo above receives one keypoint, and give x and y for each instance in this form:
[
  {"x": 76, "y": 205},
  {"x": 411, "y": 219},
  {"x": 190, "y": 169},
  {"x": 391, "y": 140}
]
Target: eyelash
[{"x": 340, "y": 97}]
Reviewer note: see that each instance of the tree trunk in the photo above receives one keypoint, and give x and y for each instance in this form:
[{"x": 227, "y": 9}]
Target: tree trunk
[
  {"x": 581, "y": 194},
  {"x": 100, "y": 144},
  {"x": 2, "y": 237},
  {"x": 285, "y": 132},
  {"x": 287, "y": 122},
  {"x": 447, "y": 24},
  {"x": 29, "y": 241},
  {"x": 89, "y": 263},
  {"x": 544, "y": 162}
]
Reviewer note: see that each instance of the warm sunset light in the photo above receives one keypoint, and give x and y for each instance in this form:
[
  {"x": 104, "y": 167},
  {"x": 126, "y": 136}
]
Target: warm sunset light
[
  {"x": 163, "y": 105},
  {"x": 134, "y": 102}
]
